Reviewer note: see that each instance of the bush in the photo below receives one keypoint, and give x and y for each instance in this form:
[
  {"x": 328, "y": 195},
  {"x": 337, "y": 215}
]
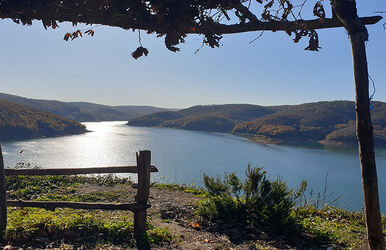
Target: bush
[{"x": 256, "y": 202}]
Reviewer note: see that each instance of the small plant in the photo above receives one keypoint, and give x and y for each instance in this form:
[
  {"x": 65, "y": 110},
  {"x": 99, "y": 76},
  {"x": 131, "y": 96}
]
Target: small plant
[
  {"x": 256, "y": 202},
  {"x": 200, "y": 192}
]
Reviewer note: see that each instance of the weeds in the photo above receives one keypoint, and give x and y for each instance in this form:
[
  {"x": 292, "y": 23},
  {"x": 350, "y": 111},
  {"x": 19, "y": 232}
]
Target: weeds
[
  {"x": 27, "y": 187},
  {"x": 334, "y": 225},
  {"x": 200, "y": 192},
  {"x": 27, "y": 225}
]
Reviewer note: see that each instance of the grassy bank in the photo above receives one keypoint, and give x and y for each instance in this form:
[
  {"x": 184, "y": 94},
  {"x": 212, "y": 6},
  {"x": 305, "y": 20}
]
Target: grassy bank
[
  {"x": 310, "y": 227},
  {"x": 68, "y": 227}
]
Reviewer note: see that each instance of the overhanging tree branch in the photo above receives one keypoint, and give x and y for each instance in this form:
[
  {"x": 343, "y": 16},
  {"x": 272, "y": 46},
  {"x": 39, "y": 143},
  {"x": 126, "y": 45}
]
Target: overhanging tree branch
[
  {"x": 285, "y": 26},
  {"x": 123, "y": 21},
  {"x": 175, "y": 19}
]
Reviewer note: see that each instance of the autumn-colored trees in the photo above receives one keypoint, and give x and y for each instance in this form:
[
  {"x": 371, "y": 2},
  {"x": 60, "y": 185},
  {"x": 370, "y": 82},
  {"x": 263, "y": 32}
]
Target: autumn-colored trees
[{"x": 21, "y": 122}]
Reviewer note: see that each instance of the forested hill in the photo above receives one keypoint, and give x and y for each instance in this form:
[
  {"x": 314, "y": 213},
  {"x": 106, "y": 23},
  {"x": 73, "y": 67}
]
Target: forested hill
[
  {"x": 22, "y": 122},
  {"x": 84, "y": 111},
  {"x": 326, "y": 122},
  {"x": 215, "y": 118}
]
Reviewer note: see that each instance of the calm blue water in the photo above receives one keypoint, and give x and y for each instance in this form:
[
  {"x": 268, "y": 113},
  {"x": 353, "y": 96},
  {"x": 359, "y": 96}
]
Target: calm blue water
[{"x": 184, "y": 156}]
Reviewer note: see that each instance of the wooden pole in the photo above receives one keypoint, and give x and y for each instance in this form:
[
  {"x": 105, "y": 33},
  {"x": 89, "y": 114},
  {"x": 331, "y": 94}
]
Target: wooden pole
[
  {"x": 347, "y": 13},
  {"x": 143, "y": 163},
  {"x": 51, "y": 205},
  {"x": 75, "y": 171},
  {"x": 366, "y": 143},
  {"x": 3, "y": 198}
]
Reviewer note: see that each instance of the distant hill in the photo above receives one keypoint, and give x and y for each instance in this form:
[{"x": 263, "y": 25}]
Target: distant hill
[
  {"x": 215, "y": 118},
  {"x": 84, "y": 111},
  {"x": 22, "y": 122},
  {"x": 325, "y": 122}
]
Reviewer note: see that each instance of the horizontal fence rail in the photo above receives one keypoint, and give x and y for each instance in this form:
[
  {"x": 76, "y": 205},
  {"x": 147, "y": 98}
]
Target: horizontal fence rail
[
  {"x": 51, "y": 205},
  {"x": 75, "y": 171}
]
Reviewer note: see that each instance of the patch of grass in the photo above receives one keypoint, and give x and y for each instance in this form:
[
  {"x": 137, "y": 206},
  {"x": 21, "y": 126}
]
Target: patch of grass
[
  {"x": 98, "y": 227},
  {"x": 159, "y": 235},
  {"x": 200, "y": 192},
  {"x": 334, "y": 225},
  {"x": 29, "y": 187}
]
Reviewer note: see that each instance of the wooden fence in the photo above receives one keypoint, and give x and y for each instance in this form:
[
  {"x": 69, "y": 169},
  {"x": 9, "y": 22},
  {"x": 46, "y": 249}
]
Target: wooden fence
[{"x": 139, "y": 207}]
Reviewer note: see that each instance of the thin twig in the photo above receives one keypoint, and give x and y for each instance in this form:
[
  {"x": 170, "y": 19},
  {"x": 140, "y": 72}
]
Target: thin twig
[
  {"x": 202, "y": 45},
  {"x": 261, "y": 33},
  {"x": 337, "y": 198},
  {"x": 325, "y": 185},
  {"x": 96, "y": 26},
  {"x": 372, "y": 95},
  {"x": 139, "y": 38},
  {"x": 301, "y": 8}
]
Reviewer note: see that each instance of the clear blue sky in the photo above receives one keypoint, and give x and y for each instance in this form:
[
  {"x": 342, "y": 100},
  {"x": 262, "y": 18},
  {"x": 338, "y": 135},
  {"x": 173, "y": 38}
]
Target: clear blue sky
[{"x": 272, "y": 70}]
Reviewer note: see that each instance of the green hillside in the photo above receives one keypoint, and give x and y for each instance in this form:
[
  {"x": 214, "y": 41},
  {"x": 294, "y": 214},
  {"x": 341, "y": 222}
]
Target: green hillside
[
  {"x": 21, "y": 122},
  {"x": 84, "y": 111},
  {"x": 326, "y": 122},
  {"x": 215, "y": 118}
]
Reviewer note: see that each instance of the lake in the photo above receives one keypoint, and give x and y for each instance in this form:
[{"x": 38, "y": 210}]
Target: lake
[{"x": 184, "y": 156}]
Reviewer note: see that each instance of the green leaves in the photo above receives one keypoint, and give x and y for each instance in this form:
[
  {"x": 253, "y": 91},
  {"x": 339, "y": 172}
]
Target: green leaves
[
  {"x": 255, "y": 202},
  {"x": 215, "y": 186}
]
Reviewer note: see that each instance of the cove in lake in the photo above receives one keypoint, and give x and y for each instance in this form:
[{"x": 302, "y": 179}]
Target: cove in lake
[{"x": 184, "y": 156}]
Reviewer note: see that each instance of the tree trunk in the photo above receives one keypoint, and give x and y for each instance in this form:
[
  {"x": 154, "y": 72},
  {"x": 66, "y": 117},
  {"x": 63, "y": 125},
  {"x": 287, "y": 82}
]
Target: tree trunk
[
  {"x": 347, "y": 13},
  {"x": 366, "y": 143}
]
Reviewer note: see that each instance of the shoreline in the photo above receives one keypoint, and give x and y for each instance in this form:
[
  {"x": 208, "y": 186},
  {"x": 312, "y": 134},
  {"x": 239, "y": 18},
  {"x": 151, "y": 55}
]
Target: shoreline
[
  {"x": 262, "y": 139},
  {"x": 43, "y": 137}
]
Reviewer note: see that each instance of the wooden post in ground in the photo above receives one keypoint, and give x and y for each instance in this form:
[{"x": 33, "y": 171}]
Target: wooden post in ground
[
  {"x": 3, "y": 198},
  {"x": 364, "y": 132},
  {"x": 143, "y": 163},
  {"x": 347, "y": 13}
]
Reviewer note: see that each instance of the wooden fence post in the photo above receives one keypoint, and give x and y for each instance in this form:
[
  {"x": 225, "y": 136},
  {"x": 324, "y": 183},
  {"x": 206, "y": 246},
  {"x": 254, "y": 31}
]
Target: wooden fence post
[
  {"x": 3, "y": 198},
  {"x": 347, "y": 12},
  {"x": 143, "y": 163}
]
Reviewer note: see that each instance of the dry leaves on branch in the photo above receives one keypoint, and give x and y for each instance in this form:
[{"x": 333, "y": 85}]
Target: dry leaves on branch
[{"x": 140, "y": 51}]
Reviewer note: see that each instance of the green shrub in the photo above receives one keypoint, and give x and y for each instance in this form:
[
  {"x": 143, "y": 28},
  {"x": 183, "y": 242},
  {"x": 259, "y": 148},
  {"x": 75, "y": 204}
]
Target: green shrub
[{"x": 256, "y": 202}]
